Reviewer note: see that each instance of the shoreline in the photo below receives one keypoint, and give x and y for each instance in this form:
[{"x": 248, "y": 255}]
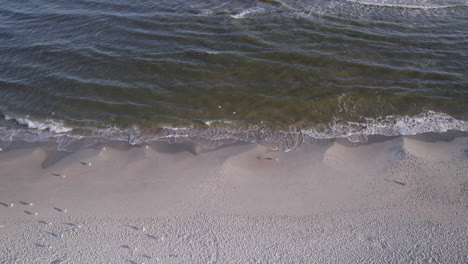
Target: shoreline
[
  {"x": 214, "y": 136},
  {"x": 396, "y": 199}
]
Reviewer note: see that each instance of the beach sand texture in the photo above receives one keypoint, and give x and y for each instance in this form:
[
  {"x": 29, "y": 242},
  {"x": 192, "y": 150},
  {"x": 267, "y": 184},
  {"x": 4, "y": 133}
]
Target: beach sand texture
[{"x": 399, "y": 200}]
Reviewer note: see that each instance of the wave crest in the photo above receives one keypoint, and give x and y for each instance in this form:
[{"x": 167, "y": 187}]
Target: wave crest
[{"x": 216, "y": 135}]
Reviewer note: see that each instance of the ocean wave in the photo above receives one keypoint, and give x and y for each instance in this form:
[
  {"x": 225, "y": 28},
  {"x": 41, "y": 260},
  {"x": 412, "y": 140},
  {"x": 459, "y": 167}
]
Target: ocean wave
[
  {"x": 247, "y": 12},
  {"x": 48, "y": 124},
  {"x": 216, "y": 134},
  {"x": 408, "y": 4}
]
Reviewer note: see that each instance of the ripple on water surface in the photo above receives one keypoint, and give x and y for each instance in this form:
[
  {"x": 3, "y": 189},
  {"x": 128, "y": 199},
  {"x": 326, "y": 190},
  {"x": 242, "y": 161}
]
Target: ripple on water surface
[{"x": 131, "y": 70}]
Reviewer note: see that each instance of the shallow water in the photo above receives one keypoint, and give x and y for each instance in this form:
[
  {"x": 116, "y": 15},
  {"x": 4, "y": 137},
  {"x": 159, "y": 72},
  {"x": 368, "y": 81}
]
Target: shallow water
[{"x": 263, "y": 71}]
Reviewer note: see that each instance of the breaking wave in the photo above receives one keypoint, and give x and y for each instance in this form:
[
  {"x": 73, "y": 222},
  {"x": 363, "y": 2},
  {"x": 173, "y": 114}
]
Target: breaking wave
[
  {"x": 247, "y": 12},
  {"x": 411, "y": 4},
  {"x": 217, "y": 133}
]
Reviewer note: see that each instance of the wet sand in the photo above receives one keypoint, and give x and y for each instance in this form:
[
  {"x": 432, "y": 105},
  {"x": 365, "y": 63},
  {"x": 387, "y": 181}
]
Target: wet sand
[{"x": 399, "y": 200}]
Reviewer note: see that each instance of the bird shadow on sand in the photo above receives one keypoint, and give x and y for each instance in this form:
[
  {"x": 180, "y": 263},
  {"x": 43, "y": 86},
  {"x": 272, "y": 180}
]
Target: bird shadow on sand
[
  {"x": 397, "y": 182},
  {"x": 152, "y": 237},
  {"x": 133, "y": 227},
  {"x": 52, "y": 234}
]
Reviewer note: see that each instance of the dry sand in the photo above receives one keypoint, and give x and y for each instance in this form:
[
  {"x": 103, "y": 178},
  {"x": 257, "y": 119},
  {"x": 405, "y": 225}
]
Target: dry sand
[{"x": 401, "y": 200}]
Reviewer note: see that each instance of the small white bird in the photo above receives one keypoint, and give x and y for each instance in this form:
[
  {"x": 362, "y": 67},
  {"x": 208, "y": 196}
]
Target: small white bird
[
  {"x": 89, "y": 164},
  {"x": 147, "y": 147},
  {"x": 104, "y": 148},
  {"x": 64, "y": 176},
  {"x": 219, "y": 106},
  {"x": 31, "y": 204},
  {"x": 65, "y": 210},
  {"x": 143, "y": 229},
  {"x": 233, "y": 113},
  {"x": 1, "y": 226},
  {"x": 1, "y": 149},
  {"x": 36, "y": 213},
  {"x": 11, "y": 205}
]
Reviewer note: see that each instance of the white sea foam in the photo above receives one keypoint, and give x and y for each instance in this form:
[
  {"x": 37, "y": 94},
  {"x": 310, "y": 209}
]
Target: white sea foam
[
  {"x": 392, "y": 126},
  {"x": 366, "y": 9},
  {"x": 412, "y": 4},
  {"x": 247, "y": 12},
  {"x": 48, "y": 124},
  {"x": 210, "y": 122},
  {"x": 219, "y": 132}
]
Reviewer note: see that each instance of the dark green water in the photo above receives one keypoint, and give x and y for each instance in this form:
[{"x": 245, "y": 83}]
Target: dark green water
[{"x": 273, "y": 72}]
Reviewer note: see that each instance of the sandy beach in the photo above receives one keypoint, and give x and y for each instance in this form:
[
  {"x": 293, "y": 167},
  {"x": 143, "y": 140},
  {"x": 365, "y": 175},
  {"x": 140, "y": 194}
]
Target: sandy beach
[{"x": 393, "y": 200}]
